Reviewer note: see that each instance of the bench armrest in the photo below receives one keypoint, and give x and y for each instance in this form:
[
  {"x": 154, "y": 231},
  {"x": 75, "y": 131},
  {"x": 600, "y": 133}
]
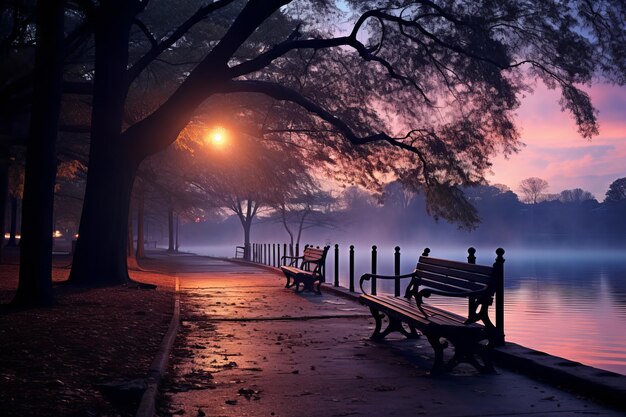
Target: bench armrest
[
  {"x": 427, "y": 292},
  {"x": 367, "y": 277},
  {"x": 293, "y": 259}
]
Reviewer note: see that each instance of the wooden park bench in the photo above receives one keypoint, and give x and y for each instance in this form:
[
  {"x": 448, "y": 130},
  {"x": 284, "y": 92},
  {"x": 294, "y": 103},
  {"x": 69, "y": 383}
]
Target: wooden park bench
[
  {"x": 472, "y": 336},
  {"x": 306, "y": 269}
]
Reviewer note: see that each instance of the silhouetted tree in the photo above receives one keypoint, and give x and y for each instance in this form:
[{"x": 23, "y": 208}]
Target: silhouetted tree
[
  {"x": 305, "y": 210},
  {"x": 400, "y": 61},
  {"x": 533, "y": 189},
  {"x": 576, "y": 195},
  {"x": 35, "y": 283},
  {"x": 616, "y": 191}
]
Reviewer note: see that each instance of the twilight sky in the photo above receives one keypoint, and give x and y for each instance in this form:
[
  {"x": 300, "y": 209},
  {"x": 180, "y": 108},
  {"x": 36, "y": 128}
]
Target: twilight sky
[{"x": 555, "y": 151}]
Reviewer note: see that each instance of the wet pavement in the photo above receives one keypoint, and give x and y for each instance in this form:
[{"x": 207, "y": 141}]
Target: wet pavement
[{"x": 249, "y": 347}]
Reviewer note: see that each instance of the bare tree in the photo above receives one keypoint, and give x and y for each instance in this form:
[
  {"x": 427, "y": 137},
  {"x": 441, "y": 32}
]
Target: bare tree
[
  {"x": 533, "y": 189},
  {"x": 305, "y": 211}
]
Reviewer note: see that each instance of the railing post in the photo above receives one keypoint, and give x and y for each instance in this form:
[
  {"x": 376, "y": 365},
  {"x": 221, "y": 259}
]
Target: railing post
[
  {"x": 254, "y": 252},
  {"x": 351, "y": 268},
  {"x": 471, "y": 255},
  {"x": 278, "y": 253},
  {"x": 396, "y": 271},
  {"x": 336, "y": 264},
  {"x": 265, "y": 254},
  {"x": 284, "y": 250},
  {"x": 297, "y": 250},
  {"x": 374, "y": 262},
  {"x": 498, "y": 267},
  {"x": 471, "y": 259},
  {"x": 274, "y": 254}
]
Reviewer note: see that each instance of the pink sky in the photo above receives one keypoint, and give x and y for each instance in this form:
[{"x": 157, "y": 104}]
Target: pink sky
[{"x": 555, "y": 151}]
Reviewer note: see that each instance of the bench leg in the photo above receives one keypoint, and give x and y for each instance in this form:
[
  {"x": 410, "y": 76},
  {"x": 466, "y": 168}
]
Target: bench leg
[
  {"x": 318, "y": 290},
  {"x": 290, "y": 280},
  {"x": 297, "y": 283},
  {"x": 438, "y": 346},
  {"x": 466, "y": 350},
  {"x": 393, "y": 326}
]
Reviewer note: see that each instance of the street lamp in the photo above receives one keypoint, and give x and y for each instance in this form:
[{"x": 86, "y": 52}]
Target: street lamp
[{"x": 217, "y": 137}]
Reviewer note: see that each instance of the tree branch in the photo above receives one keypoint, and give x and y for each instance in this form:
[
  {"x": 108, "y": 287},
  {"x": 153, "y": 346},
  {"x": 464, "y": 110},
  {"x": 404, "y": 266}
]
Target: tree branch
[
  {"x": 142, "y": 26},
  {"x": 280, "y": 92},
  {"x": 159, "y": 48}
]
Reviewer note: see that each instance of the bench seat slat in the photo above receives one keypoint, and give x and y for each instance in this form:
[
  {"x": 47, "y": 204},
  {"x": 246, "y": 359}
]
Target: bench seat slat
[
  {"x": 408, "y": 307},
  {"x": 414, "y": 317},
  {"x": 295, "y": 270}
]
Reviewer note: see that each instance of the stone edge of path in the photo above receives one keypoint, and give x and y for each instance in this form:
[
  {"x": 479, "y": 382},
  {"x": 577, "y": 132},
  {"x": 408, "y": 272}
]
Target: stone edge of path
[{"x": 147, "y": 405}]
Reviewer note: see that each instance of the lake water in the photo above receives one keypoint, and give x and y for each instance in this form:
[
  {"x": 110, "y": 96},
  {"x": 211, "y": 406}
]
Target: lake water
[{"x": 566, "y": 302}]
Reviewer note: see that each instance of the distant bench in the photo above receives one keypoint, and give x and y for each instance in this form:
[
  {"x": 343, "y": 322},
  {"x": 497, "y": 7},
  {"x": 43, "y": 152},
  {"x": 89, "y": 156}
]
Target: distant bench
[
  {"x": 472, "y": 336},
  {"x": 306, "y": 269}
]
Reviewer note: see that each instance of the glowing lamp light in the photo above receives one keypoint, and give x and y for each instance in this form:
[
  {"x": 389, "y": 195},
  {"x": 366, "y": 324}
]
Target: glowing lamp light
[
  {"x": 57, "y": 233},
  {"x": 217, "y": 137}
]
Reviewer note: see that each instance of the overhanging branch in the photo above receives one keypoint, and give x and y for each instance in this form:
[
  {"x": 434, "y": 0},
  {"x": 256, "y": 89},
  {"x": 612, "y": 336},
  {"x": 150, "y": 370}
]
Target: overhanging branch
[{"x": 280, "y": 92}]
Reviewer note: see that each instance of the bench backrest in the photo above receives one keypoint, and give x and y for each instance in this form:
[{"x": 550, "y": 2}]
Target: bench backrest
[
  {"x": 460, "y": 277},
  {"x": 314, "y": 259},
  {"x": 312, "y": 254},
  {"x": 455, "y": 277}
]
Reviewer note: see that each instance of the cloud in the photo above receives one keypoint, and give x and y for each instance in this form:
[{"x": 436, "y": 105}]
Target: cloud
[{"x": 556, "y": 152}]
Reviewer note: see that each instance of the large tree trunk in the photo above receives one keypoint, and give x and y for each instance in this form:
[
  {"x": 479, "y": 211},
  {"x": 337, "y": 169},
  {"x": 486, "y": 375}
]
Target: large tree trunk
[
  {"x": 35, "y": 280},
  {"x": 4, "y": 192},
  {"x": 131, "y": 259},
  {"x": 247, "y": 226},
  {"x": 100, "y": 257},
  {"x": 141, "y": 253},
  {"x": 170, "y": 230},
  {"x": 13, "y": 223},
  {"x": 177, "y": 243}
]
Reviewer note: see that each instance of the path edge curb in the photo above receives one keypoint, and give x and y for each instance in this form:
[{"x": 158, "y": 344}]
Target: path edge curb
[{"x": 147, "y": 405}]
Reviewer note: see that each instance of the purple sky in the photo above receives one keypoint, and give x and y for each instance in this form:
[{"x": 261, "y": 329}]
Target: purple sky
[{"x": 555, "y": 151}]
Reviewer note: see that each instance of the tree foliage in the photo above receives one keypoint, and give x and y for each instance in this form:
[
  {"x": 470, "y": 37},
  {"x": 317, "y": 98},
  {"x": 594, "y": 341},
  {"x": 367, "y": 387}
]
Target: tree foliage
[
  {"x": 576, "y": 195},
  {"x": 424, "y": 91},
  {"x": 533, "y": 189},
  {"x": 616, "y": 191}
]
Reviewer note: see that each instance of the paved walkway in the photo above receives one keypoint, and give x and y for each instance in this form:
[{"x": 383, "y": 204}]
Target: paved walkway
[{"x": 249, "y": 347}]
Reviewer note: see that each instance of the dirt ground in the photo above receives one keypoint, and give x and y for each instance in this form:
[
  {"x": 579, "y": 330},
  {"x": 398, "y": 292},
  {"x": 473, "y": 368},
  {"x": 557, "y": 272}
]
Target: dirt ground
[{"x": 87, "y": 354}]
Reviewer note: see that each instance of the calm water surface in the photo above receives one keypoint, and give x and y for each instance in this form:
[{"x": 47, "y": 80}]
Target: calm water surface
[{"x": 569, "y": 303}]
